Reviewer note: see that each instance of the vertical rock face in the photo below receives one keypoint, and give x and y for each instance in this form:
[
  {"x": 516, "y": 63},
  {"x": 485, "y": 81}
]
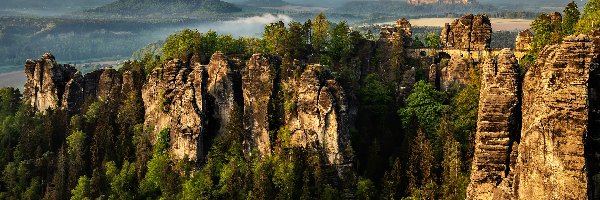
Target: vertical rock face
[
  {"x": 456, "y": 73},
  {"x": 402, "y": 29},
  {"x": 523, "y": 41},
  {"x": 46, "y": 83},
  {"x": 551, "y": 163},
  {"x": 174, "y": 98},
  {"x": 258, "y": 84},
  {"x": 497, "y": 126},
  {"x": 470, "y": 32},
  {"x": 320, "y": 120},
  {"x": 54, "y": 86},
  {"x": 221, "y": 89}
]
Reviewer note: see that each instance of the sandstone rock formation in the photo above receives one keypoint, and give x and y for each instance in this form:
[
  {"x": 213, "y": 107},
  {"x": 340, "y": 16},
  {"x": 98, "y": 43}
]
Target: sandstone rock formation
[
  {"x": 46, "y": 83},
  {"x": 551, "y": 162},
  {"x": 174, "y": 98},
  {"x": 320, "y": 120},
  {"x": 456, "y": 73},
  {"x": 223, "y": 88},
  {"x": 54, "y": 86},
  {"x": 470, "y": 32},
  {"x": 497, "y": 127},
  {"x": 523, "y": 41},
  {"x": 259, "y": 86},
  {"x": 402, "y": 29}
]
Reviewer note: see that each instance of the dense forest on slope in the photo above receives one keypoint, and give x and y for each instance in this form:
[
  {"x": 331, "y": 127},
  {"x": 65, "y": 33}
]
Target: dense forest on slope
[
  {"x": 164, "y": 7},
  {"x": 415, "y": 144}
]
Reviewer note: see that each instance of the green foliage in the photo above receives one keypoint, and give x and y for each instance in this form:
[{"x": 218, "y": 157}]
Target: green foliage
[
  {"x": 425, "y": 104},
  {"x": 122, "y": 182},
  {"x": 340, "y": 44},
  {"x": 76, "y": 142},
  {"x": 182, "y": 44},
  {"x": 570, "y": 18},
  {"x": 433, "y": 40},
  {"x": 275, "y": 37},
  {"x": 375, "y": 95},
  {"x": 9, "y": 101},
  {"x": 83, "y": 189},
  {"x": 590, "y": 20},
  {"x": 320, "y": 32},
  {"x": 365, "y": 189}
]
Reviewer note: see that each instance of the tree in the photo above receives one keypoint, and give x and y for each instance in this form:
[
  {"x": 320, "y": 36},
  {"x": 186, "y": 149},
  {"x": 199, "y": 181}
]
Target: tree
[
  {"x": 365, "y": 189},
  {"x": 340, "y": 45},
  {"x": 542, "y": 27},
  {"x": 420, "y": 177},
  {"x": 590, "y": 20},
  {"x": 160, "y": 180},
  {"x": 392, "y": 181},
  {"x": 83, "y": 189},
  {"x": 122, "y": 182},
  {"x": 425, "y": 104},
  {"x": 570, "y": 19},
  {"x": 453, "y": 181},
  {"x": 320, "y": 34},
  {"x": 275, "y": 36},
  {"x": 182, "y": 44},
  {"x": 433, "y": 40}
]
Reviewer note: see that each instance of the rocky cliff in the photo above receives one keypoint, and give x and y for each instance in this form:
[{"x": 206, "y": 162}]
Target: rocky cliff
[
  {"x": 523, "y": 41},
  {"x": 497, "y": 126},
  {"x": 320, "y": 119},
  {"x": 553, "y": 155},
  {"x": 551, "y": 162},
  {"x": 175, "y": 98},
  {"x": 401, "y": 29},
  {"x": 456, "y": 73},
  {"x": 259, "y": 83},
  {"x": 470, "y": 32},
  {"x": 54, "y": 86}
]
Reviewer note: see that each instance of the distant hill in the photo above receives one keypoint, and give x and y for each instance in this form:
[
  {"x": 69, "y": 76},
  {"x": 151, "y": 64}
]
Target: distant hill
[
  {"x": 166, "y": 7},
  {"x": 266, "y": 3},
  {"x": 402, "y": 8}
]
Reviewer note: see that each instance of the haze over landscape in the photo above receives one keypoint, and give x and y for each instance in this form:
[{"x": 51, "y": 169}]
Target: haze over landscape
[{"x": 300, "y": 99}]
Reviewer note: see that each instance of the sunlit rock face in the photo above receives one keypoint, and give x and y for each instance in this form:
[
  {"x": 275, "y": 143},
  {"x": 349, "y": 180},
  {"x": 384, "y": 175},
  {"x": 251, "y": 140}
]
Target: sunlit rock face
[
  {"x": 401, "y": 29},
  {"x": 470, "y": 32},
  {"x": 321, "y": 118},
  {"x": 61, "y": 87},
  {"x": 497, "y": 128},
  {"x": 174, "y": 98},
  {"x": 455, "y": 74},
  {"x": 47, "y": 81},
  {"x": 551, "y": 162},
  {"x": 523, "y": 41},
  {"x": 259, "y": 83}
]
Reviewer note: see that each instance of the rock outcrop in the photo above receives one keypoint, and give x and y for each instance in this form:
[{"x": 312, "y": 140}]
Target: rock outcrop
[
  {"x": 470, "y": 32},
  {"x": 402, "y": 29},
  {"x": 455, "y": 74},
  {"x": 174, "y": 99},
  {"x": 497, "y": 127},
  {"x": 320, "y": 118},
  {"x": 47, "y": 82},
  {"x": 224, "y": 90},
  {"x": 55, "y": 86},
  {"x": 551, "y": 162},
  {"x": 523, "y": 41},
  {"x": 259, "y": 83}
]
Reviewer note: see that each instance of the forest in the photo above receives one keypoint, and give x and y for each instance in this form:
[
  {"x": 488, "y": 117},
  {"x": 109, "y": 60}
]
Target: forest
[{"x": 413, "y": 146}]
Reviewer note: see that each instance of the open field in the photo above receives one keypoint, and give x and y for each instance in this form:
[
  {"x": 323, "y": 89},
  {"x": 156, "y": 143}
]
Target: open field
[{"x": 12, "y": 79}]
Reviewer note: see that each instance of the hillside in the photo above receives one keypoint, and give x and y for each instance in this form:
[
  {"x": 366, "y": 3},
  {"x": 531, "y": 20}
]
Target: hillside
[
  {"x": 166, "y": 7},
  {"x": 371, "y": 8}
]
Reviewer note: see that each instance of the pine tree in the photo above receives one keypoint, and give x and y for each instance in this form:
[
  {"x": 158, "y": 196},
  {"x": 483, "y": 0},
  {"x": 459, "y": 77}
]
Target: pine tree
[
  {"x": 320, "y": 34},
  {"x": 590, "y": 20},
  {"x": 570, "y": 19}
]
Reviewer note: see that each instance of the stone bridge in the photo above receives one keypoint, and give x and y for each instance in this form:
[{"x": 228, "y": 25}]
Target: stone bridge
[{"x": 476, "y": 55}]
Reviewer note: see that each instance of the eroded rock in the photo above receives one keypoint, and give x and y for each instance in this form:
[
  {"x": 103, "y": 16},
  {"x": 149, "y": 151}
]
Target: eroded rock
[
  {"x": 497, "y": 127},
  {"x": 551, "y": 162},
  {"x": 470, "y": 32}
]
